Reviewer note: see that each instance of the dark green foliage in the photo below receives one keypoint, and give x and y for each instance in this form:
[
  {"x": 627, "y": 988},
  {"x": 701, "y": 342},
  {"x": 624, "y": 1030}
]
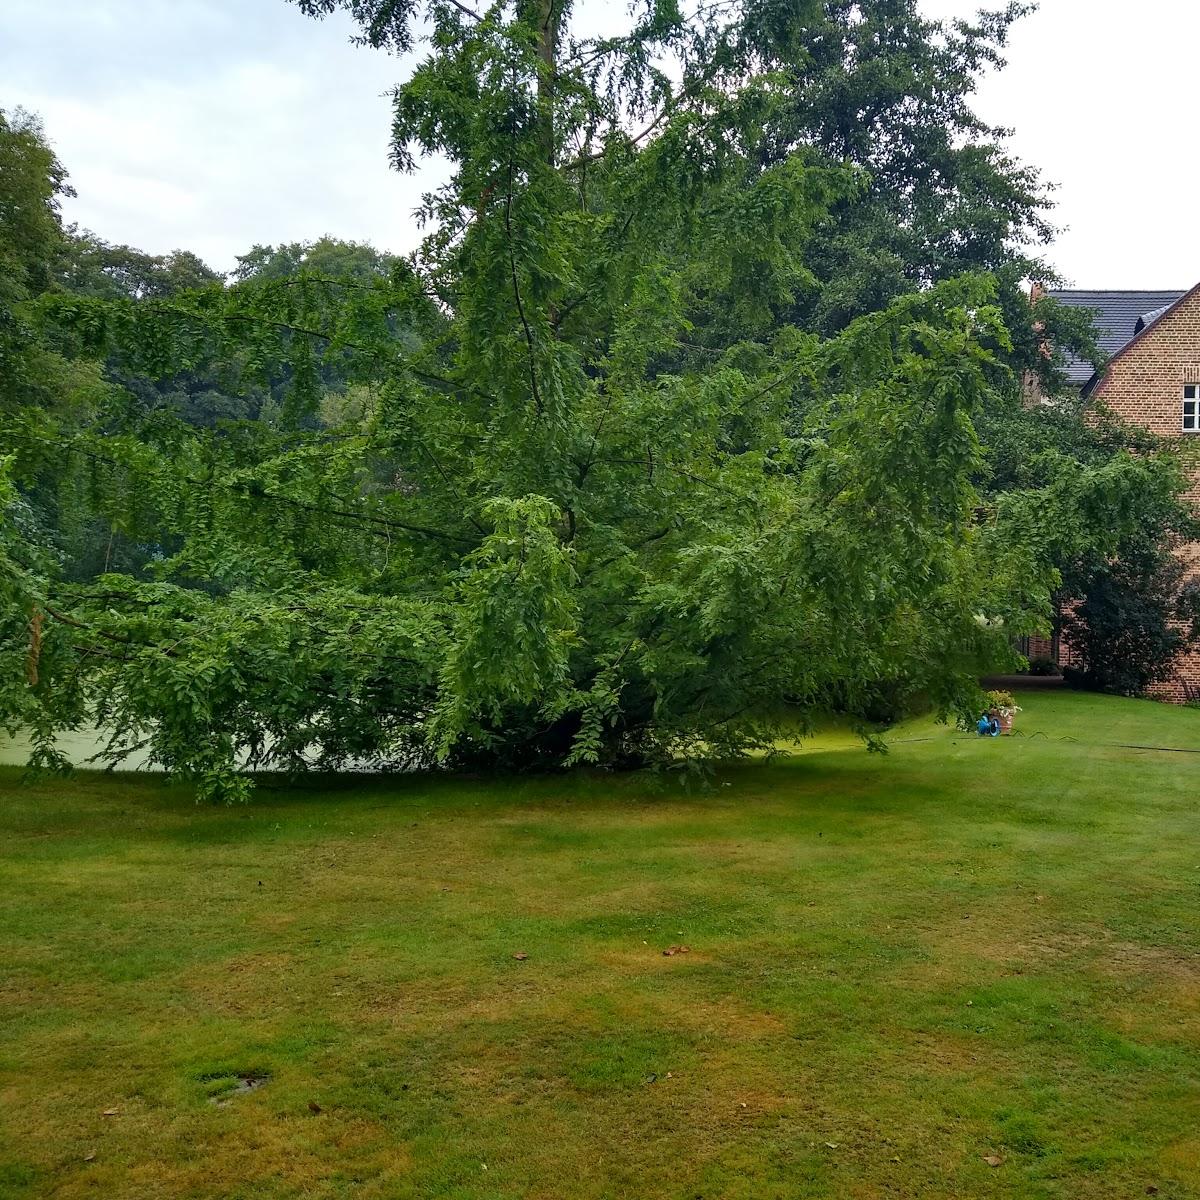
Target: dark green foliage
[
  {"x": 1121, "y": 601},
  {"x": 201, "y": 394},
  {"x": 1130, "y": 619},
  {"x": 878, "y": 86},
  {"x": 883, "y": 87},
  {"x": 1043, "y": 668}
]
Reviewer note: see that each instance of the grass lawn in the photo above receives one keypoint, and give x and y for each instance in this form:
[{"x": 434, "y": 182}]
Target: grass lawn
[{"x": 898, "y": 967}]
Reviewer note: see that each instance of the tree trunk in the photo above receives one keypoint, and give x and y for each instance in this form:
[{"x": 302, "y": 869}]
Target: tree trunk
[{"x": 548, "y": 19}]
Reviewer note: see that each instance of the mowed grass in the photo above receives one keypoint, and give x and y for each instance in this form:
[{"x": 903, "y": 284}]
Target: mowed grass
[{"x": 898, "y": 967}]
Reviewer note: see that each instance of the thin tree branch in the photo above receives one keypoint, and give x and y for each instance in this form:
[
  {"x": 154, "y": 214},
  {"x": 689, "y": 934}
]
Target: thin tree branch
[
  {"x": 468, "y": 12},
  {"x": 322, "y": 335},
  {"x": 385, "y": 522},
  {"x": 512, "y": 263},
  {"x": 669, "y": 109}
]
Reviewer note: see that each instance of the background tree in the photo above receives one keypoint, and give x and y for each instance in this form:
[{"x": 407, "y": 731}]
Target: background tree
[
  {"x": 328, "y": 257},
  {"x": 88, "y": 266},
  {"x": 883, "y": 87},
  {"x": 32, "y": 181}
]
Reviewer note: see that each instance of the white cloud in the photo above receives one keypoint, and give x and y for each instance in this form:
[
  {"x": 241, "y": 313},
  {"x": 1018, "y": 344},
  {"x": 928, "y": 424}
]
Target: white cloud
[
  {"x": 206, "y": 131},
  {"x": 1102, "y": 96}
]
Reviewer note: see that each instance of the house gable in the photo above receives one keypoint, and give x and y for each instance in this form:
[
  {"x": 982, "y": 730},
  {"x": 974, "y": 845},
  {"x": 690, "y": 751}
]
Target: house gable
[{"x": 1143, "y": 382}]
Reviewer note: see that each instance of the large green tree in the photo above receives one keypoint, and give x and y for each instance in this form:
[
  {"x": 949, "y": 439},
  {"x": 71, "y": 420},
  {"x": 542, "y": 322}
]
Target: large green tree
[
  {"x": 575, "y": 524},
  {"x": 882, "y": 87}
]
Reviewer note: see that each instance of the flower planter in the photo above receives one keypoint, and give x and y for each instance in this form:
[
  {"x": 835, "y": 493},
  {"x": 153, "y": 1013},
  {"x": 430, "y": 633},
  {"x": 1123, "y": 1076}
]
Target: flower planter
[{"x": 1002, "y": 710}]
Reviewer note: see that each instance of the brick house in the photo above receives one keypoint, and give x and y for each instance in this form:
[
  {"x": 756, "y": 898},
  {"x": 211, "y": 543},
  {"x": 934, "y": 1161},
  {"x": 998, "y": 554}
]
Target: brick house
[{"x": 1152, "y": 378}]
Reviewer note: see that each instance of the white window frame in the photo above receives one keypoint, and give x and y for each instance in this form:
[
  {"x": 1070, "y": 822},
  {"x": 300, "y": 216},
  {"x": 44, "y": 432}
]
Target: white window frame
[{"x": 1191, "y": 408}]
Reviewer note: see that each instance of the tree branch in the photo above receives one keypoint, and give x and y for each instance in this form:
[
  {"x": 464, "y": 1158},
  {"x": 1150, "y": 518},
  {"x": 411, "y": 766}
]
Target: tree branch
[
  {"x": 462, "y": 8},
  {"x": 512, "y": 263}
]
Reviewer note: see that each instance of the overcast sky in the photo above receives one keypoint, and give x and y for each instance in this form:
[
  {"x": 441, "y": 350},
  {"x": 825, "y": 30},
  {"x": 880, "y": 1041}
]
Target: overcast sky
[{"x": 214, "y": 124}]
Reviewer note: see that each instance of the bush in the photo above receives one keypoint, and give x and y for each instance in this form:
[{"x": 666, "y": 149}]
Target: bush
[
  {"x": 1134, "y": 618},
  {"x": 1043, "y": 667}
]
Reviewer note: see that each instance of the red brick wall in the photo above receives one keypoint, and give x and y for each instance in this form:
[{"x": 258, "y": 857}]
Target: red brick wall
[{"x": 1144, "y": 386}]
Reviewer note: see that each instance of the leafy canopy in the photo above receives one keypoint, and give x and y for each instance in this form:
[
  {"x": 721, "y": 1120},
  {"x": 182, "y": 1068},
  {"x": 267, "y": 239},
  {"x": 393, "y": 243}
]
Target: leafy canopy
[{"x": 599, "y": 500}]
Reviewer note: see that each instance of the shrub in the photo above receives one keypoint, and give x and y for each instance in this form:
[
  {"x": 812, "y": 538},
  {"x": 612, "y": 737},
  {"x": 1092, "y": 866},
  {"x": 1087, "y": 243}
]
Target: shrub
[
  {"x": 1134, "y": 618},
  {"x": 1043, "y": 667}
]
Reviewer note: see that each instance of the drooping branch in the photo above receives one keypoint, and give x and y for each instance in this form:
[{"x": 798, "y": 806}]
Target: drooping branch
[{"x": 253, "y": 491}]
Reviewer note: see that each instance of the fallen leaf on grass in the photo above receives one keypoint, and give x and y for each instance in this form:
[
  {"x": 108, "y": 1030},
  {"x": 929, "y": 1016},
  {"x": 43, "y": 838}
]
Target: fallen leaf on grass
[
  {"x": 313, "y": 1107},
  {"x": 520, "y": 956},
  {"x": 833, "y": 1145},
  {"x": 90, "y": 1157},
  {"x": 993, "y": 1160},
  {"x": 670, "y": 951},
  {"x": 110, "y": 1112}
]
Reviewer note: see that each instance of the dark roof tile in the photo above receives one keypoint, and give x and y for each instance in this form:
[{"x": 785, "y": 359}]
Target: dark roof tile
[{"x": 1116, "y": 318}]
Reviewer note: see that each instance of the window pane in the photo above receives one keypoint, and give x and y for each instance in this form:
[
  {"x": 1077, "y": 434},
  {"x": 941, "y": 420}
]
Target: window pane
[{"x": 1190, "y": 391}]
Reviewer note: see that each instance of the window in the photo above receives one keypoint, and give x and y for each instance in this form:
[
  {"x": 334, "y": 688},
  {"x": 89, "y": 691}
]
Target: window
[{"x": 1191, "y": 408}]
